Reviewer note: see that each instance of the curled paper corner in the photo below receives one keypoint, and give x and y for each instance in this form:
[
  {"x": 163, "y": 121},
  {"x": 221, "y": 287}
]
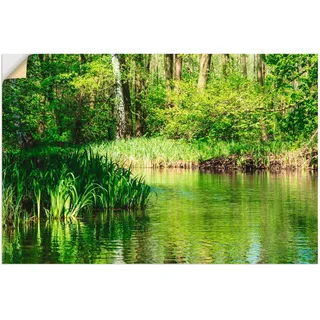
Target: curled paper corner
[{"x": 14, "y": 66}]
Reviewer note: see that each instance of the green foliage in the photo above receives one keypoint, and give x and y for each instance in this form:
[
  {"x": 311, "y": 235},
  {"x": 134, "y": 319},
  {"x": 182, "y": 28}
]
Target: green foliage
[
  {"x": 224, "y": 111},
  {"x": 65, "y": 198},
  {"x": 64, "y": 100},
  {"x": 292, "y": 88},
  {"x": 63, "y": 184},
  {"x": 69, "y": 99},
  {"x": 156, "y": 106}
]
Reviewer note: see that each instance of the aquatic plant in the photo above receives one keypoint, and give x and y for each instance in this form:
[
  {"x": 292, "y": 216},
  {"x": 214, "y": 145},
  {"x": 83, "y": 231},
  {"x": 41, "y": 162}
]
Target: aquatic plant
[
  {"x": 37, "y": 194},
  {"x": 62, "y": 185}
]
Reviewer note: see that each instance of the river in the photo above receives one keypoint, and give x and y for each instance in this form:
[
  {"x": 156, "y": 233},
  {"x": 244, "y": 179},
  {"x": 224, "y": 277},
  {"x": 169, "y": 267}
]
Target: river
[{"x": 191, "y": 217}]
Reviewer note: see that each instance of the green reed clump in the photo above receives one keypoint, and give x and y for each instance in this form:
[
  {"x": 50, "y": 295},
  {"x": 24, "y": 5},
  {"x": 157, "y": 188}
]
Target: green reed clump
[
  {"x": 157, "y": 152},
  {"x": 150, "y": 152},
  {"x": 65, "y": 199},
  {"x": 61, "y": 185}
]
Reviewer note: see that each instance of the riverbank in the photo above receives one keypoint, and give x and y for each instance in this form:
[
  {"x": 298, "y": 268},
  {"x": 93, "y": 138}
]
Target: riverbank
[
  {"x": 166, "y": 153},
  {"x": 302, "y": 159},
  {"x": 160, "y": 152}
]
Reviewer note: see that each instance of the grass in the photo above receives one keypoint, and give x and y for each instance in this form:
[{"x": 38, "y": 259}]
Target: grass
[
  {"x": 150, "y": 152},
  {"x": 61, "y": 185},
  {"x": 162, "y": 152}
]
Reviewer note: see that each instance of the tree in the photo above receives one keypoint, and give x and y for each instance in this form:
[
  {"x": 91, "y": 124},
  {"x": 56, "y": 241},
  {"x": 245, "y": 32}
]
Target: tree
[
  {"x": 168, "y": 68},
  {"x": 81, "y": 98},
  {"x": 260, "y": 70},
  {"x": 126, "y": 94},
  {"x": 204, "y": 70},
  {"x": 225, "y": 64},
  {"x": 178, "y": 67},
  {"x": 255, "y": 66},
  {"x": 244, "y": 65},
  {"x": 178, "y": 71},
  {"x": 119, "y": 103}
]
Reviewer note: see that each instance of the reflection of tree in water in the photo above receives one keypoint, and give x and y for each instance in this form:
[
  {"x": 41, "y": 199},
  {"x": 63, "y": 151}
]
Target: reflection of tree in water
[
  {"x": 127, "y": 235},
  {"x": 235, "y": 218}
]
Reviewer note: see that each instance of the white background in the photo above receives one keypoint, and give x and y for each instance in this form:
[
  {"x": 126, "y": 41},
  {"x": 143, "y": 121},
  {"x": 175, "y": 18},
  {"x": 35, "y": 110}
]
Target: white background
[{"x": 156, "y": 291}]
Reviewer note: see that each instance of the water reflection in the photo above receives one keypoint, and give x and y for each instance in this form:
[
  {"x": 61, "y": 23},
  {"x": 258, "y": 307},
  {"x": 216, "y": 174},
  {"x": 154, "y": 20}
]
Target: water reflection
[
  {"x": 192, "y": 217},
  {"x": 101, "y": 238}
]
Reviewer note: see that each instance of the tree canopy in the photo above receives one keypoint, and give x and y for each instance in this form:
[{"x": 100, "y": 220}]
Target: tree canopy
[{"x": 75, "y": 99}]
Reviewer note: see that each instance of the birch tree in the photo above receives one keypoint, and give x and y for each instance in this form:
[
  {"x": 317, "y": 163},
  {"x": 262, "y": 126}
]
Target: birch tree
[
  {"x": 124, "y": 79},
  {"x": 119, "y": 104}
]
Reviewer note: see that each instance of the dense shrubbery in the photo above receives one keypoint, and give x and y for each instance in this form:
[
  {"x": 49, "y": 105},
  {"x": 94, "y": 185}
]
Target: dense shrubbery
[{"x": 226, "y": 110}]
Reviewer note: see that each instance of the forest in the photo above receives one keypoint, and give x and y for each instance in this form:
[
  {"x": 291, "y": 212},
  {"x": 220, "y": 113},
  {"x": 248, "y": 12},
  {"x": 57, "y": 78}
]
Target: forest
[
  {"x": 71, "y": 100},
  {"x": 86, "y": 120},
  {"x": 161, "y": 158}
]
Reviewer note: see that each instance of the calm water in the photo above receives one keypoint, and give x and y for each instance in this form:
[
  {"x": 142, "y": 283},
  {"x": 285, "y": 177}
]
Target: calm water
[{"x": 192, "y": 217}]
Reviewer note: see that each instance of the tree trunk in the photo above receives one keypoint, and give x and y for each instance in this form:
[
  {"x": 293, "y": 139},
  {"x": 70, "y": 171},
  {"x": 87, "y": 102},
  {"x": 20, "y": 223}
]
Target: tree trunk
[
  {"x": 204, "y": 70},
  {"x": 226, "y": 60},
  {"x": 119, "y": 103},
  {"x": 254, "y": 66},
  {"x": 168, "y": 69},
  {"x": 126, "y": 95},
  {"x": 264, "y": 70},
  {"x": 259, "y": 70},
  {"x": 244, "y": 64},
  {"x": 178, "y": 67},
  {"x": 157, "y": 69},
  {"x": 148, "y": 62},
  {"x": 178, "y": 71}
]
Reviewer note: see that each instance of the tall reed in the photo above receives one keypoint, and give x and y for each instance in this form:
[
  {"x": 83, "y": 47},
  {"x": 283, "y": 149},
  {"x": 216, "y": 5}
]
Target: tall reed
[
  {"x": 62, "y": 185},
  {"x": 158, "y": 152}
]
